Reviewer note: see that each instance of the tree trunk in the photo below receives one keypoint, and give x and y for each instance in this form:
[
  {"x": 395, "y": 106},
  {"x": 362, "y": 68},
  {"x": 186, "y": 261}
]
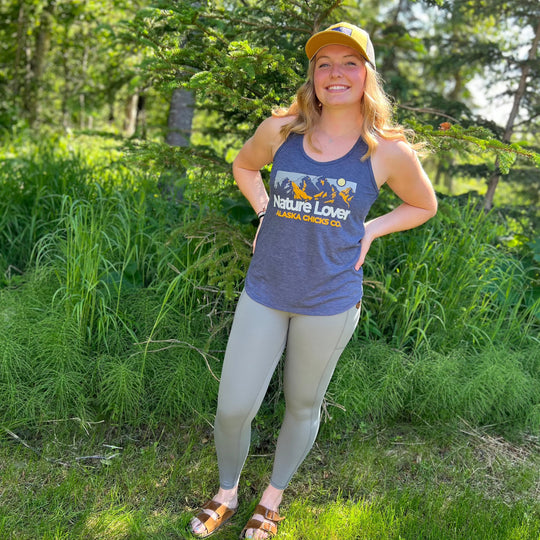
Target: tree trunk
[
  {"x": 83, "y": 121},
  {"x": 399, "y": 9},
  {"x": 180, "y": 118},
  {"x": 456, "y": 92},
  {"x": 518, "y": 96},
  {"x": 37, "y": 64},
  {"x": 65, "y": 91},
  {"x": 141, "y": 117},
  {"x": 130, "y": 125},
  {"x": 17, "y": 82},
  {"x": 82, "y": 110}
]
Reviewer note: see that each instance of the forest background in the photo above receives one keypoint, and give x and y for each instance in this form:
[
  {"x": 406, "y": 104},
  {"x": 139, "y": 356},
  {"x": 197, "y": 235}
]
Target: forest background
[{"x": 124, "y": 243}]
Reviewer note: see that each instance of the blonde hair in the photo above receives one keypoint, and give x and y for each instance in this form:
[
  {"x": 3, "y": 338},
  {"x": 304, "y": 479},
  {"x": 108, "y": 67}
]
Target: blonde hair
[{"x": 375, "y": 105}]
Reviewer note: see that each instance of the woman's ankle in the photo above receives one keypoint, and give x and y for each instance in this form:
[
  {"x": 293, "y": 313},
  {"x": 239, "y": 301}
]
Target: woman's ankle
[
  {"x": 227, "y": 496},
  {"x": 272, "y": 497}
]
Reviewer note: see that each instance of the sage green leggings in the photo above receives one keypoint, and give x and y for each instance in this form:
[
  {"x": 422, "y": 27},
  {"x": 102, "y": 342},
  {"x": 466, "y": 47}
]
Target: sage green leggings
[{"x": 258, "y": 337}]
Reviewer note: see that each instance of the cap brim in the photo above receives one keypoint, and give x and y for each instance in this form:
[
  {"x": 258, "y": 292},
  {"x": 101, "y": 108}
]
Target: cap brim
[{"x": 331, "y": 37}]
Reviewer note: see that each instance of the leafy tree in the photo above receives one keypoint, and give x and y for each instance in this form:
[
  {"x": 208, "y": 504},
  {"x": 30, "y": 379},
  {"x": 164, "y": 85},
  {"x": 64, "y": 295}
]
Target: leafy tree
[
  {"x": 242, "y": 58},
  {"x": 520, "y": 96},
  {"x": 239, "y": 63},
  {"x": 25, "y": 38},
  {"x": 62, "y": 63},
  {"x": 498, "y": 42},
  {"x": 94, "y": 64}
]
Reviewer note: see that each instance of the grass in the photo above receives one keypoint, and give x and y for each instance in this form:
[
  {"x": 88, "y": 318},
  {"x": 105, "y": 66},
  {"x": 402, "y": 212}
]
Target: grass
[
  {"x": 449, "y": 282},
  {"x": 121, "y": 302},
  {"x": 393, "y": 482},
  {"x": 115, "y": 304},
  {"x": 492, "y": 386}
]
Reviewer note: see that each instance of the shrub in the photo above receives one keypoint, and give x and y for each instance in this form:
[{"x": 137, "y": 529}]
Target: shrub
[{"x": 122, "y": 302}]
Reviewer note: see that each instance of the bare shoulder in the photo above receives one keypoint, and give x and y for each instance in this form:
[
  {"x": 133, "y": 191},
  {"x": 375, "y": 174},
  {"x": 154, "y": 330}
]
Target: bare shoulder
[
  {"x": 396, "y": 163},
  {"x": 259, "y": 149},
  {"x": 395, "y": 150},
  {"x": 277, "y": 122},
  {"x": 392, "y": 159},
  {"x": 269, "y": 131}
]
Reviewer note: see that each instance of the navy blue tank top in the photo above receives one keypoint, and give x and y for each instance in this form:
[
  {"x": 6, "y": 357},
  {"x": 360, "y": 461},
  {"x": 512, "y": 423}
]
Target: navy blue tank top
[{"x": 309, "y": 240}]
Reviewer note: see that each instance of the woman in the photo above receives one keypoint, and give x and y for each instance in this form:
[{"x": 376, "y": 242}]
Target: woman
[{"x": 331, "y": 151}]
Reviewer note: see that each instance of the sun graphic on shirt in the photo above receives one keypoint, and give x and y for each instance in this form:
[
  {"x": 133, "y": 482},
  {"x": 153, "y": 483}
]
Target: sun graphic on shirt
[{"x": 341, "y": 182}]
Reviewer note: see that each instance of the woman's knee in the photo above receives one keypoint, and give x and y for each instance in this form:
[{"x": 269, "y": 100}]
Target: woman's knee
[
  {"x": 302, "y": 410},
  {"x": 230, "y": 419}
]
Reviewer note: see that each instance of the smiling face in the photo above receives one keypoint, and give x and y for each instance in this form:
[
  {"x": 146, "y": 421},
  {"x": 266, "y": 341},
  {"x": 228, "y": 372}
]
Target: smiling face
[{"x": 339, "y": 76}]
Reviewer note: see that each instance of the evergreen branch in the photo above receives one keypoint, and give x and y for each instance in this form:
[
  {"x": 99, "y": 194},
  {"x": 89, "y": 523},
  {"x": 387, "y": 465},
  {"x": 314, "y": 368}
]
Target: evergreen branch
[
  {"x": 490, "y": 144},
  {"x": 256, "y": 24},
  {"x": 327, "y": 12},
  {"x": 507, "y": 152}
]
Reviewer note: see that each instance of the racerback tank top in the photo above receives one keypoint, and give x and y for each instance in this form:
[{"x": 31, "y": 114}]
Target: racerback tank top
[{"x": 309, "y": 240}]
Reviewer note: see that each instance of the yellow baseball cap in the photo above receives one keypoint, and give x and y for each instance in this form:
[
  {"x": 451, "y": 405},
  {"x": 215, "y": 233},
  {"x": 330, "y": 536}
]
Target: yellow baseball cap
[{"x": 342, "y": 34}]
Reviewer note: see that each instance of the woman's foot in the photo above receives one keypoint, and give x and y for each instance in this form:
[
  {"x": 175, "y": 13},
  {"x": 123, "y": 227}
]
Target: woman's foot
[
  {"x": 226, "y": 497},
  {"x": 271, "y": 499}
]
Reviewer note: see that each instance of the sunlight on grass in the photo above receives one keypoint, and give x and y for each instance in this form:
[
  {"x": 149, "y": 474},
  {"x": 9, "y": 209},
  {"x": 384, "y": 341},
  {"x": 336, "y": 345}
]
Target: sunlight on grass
[
  {"x": 112, "y": 524},
  {"x": 387, "y": 484},
  {"x": 339, "y": 520}
]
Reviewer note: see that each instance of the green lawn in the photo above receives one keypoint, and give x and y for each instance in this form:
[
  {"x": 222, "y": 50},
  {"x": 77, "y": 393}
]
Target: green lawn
[{"x": 399, "y": 482}]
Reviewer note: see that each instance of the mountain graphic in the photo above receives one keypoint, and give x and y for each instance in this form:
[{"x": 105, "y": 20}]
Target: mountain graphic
[
  {"x": 286, "y": 187},
  {"x": 318, "y": 187},
  {"x": 301, "y": 192},
  {"x": 346, "y": 195},
  {"x": 308, "y": 188}
]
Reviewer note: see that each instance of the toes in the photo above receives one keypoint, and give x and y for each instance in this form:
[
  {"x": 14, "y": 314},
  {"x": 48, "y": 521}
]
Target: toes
[
  {"x": 255, "y": 535},
  {"x": 197, "y": 526}
]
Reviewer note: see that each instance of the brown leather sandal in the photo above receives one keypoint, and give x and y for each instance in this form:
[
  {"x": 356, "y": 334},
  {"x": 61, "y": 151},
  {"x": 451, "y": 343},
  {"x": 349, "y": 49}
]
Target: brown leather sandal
[
  {"x": 212, "y": 524},
  {"x": 265, "y": 526}
]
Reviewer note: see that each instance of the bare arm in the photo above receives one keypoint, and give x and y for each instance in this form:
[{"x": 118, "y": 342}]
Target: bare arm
[
  {"x": 257, "y": 152},
  {"x": 397, "y": 164}
]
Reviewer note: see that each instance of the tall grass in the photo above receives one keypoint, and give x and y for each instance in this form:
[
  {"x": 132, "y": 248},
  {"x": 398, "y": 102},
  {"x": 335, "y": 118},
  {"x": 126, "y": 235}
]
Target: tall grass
[
  {"x": 122, "y": 300},
  {"x": 14, "y": 357},
  {"x": 451, "y": 283},
  {"x": 110, "y": 274},
  {"x": 31, "y": 178},
  {"x": 95, "y": 252}
]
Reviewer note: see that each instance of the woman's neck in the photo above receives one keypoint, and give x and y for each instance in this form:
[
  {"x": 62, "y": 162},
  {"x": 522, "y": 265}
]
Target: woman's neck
[
  {"x": 338, "y": 125},
  {"x": 334, "y": 135}
]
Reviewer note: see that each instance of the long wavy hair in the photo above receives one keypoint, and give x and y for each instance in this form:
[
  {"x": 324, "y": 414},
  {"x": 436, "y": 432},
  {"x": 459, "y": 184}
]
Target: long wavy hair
[{"x": 375, "y": 106}]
